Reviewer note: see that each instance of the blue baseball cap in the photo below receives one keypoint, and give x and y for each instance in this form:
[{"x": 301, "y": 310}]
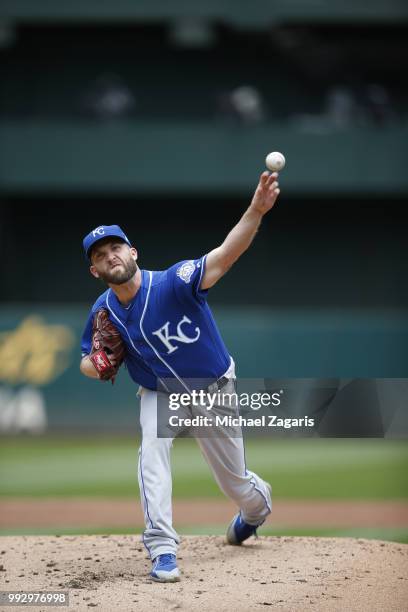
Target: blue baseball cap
[{"x": 101, "y": 232}]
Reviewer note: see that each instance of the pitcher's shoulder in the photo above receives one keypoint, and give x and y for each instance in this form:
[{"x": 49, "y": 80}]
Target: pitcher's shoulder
[
  {"x": 101, "y": 301},
  {"x": 157, "y": 277}
]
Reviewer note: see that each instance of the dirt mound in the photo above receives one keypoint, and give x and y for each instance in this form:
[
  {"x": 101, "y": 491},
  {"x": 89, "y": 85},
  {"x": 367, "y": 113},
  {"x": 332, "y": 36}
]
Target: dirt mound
[{"x": 291, "y": 574}]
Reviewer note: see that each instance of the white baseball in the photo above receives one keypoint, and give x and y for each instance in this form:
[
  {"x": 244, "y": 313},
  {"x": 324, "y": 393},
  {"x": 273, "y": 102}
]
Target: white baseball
[{"x": 275, "y": 161}]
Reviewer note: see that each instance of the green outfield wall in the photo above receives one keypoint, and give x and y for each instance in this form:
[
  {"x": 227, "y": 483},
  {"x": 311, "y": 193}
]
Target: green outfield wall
[
  {"x": 240, "y": 13},
  {"x": 205, "y": 157},
  {"x": 42, "y": 389}
]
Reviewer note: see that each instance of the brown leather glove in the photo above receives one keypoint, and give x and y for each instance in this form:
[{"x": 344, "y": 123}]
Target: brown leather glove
[{"x": 106, "y": 344}]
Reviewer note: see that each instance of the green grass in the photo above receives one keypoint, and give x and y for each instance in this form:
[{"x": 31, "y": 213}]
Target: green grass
[
  {"x": 388, "y": 534},
  {"x": 309, "y": 469}
]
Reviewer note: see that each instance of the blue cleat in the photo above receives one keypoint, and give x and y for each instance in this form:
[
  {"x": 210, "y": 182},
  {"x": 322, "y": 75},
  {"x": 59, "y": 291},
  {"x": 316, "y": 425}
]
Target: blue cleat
[
  {"x": 165, "y": 569},
  {"x": 238, "y": 531}
]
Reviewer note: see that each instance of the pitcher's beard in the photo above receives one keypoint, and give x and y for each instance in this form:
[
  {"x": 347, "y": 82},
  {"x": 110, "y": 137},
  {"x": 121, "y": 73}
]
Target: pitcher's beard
[{"x": 121, "y": 275}]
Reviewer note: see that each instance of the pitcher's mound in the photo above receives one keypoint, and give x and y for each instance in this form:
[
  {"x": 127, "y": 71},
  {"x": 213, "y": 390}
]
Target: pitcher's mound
[{"x": 292, "y": 574}]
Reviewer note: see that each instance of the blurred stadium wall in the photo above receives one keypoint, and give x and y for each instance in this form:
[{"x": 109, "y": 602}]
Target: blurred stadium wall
[{"x": 159, "y": 119}]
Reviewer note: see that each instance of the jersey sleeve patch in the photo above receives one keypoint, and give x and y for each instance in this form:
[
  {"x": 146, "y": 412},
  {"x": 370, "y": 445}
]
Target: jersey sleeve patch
[
  {"x": 186, "y": 270},
  {"x": 187, "y": 276}
]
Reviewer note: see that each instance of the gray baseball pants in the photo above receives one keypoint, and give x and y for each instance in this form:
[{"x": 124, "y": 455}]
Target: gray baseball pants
[{"x": 226, "y": 459}]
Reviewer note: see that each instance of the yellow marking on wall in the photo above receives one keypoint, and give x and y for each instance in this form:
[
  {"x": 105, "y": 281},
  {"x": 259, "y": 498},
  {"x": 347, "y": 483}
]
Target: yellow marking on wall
[{"x": 35, "y": 352}]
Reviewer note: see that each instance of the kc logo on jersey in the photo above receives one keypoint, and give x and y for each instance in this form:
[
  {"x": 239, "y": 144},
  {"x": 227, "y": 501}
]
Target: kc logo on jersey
[
  {"x": 186, "y": 270},
  {"x": 164, "y": 333}
]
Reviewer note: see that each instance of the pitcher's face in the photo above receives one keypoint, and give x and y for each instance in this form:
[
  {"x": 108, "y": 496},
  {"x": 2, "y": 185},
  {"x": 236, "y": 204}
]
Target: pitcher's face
[{"x": 113, "y": 261}]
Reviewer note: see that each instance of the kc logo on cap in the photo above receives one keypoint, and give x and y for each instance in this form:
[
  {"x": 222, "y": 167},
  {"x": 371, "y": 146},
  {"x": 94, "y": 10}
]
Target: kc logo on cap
[
  {"x": 99, "y": 230},
  {"x": 103, "y": 231}
]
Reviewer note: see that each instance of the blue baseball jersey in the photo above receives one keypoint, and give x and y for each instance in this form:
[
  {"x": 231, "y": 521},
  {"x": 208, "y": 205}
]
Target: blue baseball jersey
[{"x": 168, "y": 329}]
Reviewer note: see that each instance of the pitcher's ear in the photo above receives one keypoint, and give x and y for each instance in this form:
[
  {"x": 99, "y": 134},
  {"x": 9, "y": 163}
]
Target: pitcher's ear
[{"x": 93, "y": 271}]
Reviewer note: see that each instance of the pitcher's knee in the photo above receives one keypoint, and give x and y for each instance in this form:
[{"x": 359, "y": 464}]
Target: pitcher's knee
[
  {"x": 152, "y": 443},
  {"x": 237, "y": 492},
  {"x": 250, "y": 494}
]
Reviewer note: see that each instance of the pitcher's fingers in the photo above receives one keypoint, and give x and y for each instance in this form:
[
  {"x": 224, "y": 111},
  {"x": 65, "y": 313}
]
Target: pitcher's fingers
[{"x": 272, "y": 178}]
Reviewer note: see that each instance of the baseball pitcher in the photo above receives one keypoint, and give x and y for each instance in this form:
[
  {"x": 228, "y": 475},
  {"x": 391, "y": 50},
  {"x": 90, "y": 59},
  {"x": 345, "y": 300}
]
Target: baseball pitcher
[{"x": 160, "y": 325}]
